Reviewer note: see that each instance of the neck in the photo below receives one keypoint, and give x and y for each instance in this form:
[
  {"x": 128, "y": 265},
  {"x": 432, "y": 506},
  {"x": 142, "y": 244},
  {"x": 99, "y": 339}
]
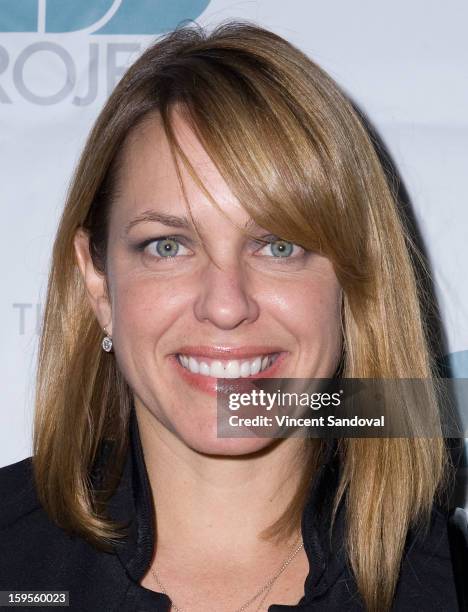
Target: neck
[{"x": 226, "y": 501}]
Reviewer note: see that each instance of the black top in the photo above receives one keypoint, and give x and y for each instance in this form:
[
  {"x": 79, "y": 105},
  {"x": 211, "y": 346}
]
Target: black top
[{"x": 37, "y": 555}]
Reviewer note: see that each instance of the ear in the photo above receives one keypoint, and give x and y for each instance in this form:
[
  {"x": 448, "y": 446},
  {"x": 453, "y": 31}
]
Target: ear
[{"x": 95, "y": 281}]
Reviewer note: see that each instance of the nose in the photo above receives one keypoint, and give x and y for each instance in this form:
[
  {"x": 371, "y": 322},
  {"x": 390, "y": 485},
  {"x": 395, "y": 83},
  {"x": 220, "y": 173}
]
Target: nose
[{"x": 225, "y": 299}]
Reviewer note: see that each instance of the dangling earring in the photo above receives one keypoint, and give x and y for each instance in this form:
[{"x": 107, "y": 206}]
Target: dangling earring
[{"x": 107, "y": 342}]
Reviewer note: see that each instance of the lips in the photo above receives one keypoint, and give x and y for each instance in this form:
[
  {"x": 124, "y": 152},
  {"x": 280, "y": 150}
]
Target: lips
[{"x": 201, "y": 366}]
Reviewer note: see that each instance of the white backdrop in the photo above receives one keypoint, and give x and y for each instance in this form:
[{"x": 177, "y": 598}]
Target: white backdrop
[{"x": 404, "y": 63}]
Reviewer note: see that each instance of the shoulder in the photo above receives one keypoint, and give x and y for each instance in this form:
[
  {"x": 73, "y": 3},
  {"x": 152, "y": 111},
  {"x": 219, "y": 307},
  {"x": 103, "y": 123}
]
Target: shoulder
[
  {"x": 38, "y": 555},
  {"x": 17, "y": 492},
  {"x": 434, "y": 539},
  {"x": 35, "y": 553},
  {"x": 427, "y": 580},
  {"x": 23, "y": 520}
]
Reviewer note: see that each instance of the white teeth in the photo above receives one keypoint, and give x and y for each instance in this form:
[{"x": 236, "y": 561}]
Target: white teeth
[
  {"x": 256, "y": 365},
  {"x": 204, "y": 369},
  {"x": 193, "y": 365},
  {"x": 245, "y": 369},
  {"x": 217, "y": 369},
  {"x": 230, "y": 369}
]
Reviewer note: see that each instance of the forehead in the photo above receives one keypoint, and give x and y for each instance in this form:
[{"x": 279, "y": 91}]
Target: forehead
[{"x": 148, "y": 174}]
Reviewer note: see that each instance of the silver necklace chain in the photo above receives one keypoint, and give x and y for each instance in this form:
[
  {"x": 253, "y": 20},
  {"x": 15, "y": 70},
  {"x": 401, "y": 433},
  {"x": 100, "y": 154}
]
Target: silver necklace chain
[{"x": 264, "y": 590}]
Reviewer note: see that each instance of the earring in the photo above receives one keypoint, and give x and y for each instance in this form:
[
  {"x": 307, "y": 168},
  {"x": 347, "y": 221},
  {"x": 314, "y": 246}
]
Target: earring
[{"x": 106, "y": 342}]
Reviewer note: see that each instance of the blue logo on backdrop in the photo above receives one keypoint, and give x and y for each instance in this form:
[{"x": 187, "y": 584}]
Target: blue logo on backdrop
[
  {"x": 98, "y": 64},
  {"x": 97, "y": 16}
]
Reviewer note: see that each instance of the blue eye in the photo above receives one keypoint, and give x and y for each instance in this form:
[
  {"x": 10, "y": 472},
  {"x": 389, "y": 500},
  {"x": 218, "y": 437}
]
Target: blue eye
[
  {"x": 164, "y": 247},
  {"x": 167, "y": 247},
  {"x": 281, "y": 248}
]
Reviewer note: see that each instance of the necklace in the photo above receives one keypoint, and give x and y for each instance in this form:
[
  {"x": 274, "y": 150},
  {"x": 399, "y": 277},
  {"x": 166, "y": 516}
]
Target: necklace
[{"x": 264, "y": 590}]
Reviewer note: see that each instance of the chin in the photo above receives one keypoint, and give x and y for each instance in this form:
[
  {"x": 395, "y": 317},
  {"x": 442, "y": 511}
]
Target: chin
[{"x": 228, "y": 447}]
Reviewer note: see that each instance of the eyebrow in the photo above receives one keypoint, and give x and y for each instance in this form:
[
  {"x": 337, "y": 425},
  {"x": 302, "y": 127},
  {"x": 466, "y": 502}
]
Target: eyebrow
[
  {"x": 170, "y": 221},
  {"x": 158, "y": 217}
]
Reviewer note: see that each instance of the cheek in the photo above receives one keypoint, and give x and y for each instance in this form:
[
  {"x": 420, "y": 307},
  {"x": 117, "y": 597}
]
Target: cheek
[
  {"x": 145, "y": 307},
  {"x": 318, "y": 327},
  {"x": 310, "y": 309}
]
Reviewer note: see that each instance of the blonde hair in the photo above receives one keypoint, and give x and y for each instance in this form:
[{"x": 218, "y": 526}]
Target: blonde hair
[{"x": 295, "y": 152}]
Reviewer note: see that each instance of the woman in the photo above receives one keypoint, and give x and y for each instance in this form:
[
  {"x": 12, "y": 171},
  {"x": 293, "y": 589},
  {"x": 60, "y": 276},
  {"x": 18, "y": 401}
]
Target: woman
[{"x": 228, "y": 218}]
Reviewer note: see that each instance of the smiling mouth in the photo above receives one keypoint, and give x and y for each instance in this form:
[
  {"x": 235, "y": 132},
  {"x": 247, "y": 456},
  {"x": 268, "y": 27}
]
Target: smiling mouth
[{"x": 231, "y": 368}]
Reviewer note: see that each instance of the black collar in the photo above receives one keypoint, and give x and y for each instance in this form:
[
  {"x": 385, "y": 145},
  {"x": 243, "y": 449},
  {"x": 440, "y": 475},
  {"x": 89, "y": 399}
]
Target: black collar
[{"x": 132, "y": 503}]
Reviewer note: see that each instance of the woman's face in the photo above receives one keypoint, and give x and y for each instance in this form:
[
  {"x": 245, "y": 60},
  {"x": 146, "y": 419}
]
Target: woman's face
[{"x": 180, "y": 320}]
